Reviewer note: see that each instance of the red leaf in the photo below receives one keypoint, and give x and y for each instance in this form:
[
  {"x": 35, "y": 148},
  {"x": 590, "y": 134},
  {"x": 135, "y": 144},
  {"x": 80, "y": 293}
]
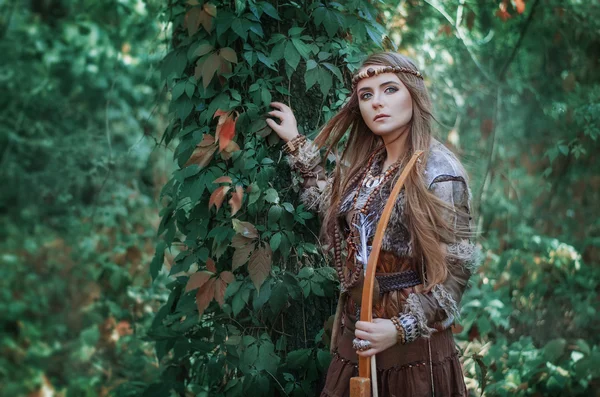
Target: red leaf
[
  {"x": 240, "y": 255},
  {"x": 203, "y": 152},
  {"x": 206, "y": 21},
  {"x": 445, "y": 29},
  {"x": 236, "y": 199},
  {"x": 238, "y": 241},
  {"x": 206, "y": 68},
  {"x": 205, "y": 295},
  {"x": 502, "y": 13},
  {"x": 259, "y": 265},
  {"x": 223, "y": 179},
  {"x": 231, "y": 147},
  {"x": 210, "y": 9},
  {"x": 246, "y": 229},
  {"x": 197, "y": 280},
  {"x": 221, "y": 285},
  {"x": 210, "y": 265},
  {"x": 124, "y": 328},
  {"x": 228, "y": 54},
  {"x": 520, "y": 6},
  {"x": 192, "y": 19},
  {"x": 225, "y": 129},
  {"x": 218, "y": 196}
]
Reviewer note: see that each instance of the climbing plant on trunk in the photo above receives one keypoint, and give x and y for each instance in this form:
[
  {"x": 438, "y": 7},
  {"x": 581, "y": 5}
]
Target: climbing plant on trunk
[{"x": 251, "y": 290}]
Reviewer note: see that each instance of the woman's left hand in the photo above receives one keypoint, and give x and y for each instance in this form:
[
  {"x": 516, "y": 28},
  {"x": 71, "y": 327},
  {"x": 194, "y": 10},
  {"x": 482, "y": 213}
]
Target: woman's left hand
[{"x": 381, "y": 333}]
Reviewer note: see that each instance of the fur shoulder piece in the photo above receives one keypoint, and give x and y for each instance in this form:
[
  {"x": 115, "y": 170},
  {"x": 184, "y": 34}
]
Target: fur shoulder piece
[{"x": 442, "y": 162}]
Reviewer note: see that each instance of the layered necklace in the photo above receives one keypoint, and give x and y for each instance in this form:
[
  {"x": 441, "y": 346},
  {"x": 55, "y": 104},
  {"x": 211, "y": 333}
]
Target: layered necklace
[{"x": 374, "y": 184}]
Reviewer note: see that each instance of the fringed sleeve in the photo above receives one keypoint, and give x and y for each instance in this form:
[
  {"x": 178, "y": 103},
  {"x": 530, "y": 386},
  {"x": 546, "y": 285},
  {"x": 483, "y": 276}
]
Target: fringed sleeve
[
  {"x": 437, "y": 309},
  {"x": 315, "y": 184}
]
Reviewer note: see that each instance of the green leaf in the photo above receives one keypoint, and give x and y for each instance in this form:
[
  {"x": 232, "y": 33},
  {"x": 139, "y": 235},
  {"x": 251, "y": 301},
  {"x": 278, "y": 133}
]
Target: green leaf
[
  {"x": 564, "y": 149},
  {"x": 254, "y": 193},
  {"x": 310, "y": 77},
  {"x": 275, "y": 241},
  {"x": 325, "y": 81},
  {"x": 554, "y": 349},
  {"x": 267, "y": 359},
  {"x": 237, "y": 303},
  {"x": 295, "y": 31},
  {"x": 203, "y": 49},
  {"x": 249, "y": 355},
  {"x": 272, "y": 196},
  {"x": 277, "y": 51},
  {"x": 261, "y": 297},
  {"x": 334, "y": 69},
  {"x": 269, "y": 10},
  {"x": 292, "y": 56},
  {"x": 158, "y": 260},
  {"x": 265, "y": 96},
  {"x": 266, "y": 60},
  {"x": 303, "y": 49},
  {"x": 178, "y": 90},
  {"x": 240, "y": 28},
  {"x": 91, "y": 335},
  {"x": 297, "y": 359},
  {"x": 274, "y": 215},
  {"x": 240, "y": 6},
  {"x": 190, "y": 87},
  {"x": 324, "y": 359},
  {"x": 311, "y": 64}
]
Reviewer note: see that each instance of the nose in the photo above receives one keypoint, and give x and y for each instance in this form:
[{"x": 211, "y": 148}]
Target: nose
[{"x": 376, "y": 100}]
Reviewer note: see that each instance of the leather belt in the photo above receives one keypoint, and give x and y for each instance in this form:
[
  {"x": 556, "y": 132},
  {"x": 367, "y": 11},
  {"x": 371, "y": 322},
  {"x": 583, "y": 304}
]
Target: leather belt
[{"x": 395, "y": 281}]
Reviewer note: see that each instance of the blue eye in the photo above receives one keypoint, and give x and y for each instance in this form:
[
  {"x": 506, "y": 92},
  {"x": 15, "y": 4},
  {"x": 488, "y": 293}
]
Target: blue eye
[{"x": 364, "y": 96}]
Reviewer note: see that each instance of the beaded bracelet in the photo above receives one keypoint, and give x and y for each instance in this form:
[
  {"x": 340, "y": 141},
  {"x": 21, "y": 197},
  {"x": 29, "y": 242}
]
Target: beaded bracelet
[
  {"x": 294, "y": 144},
  {"x": 400, "y": 329}
]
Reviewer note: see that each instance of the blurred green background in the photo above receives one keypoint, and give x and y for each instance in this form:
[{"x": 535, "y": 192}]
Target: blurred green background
[{"x": 84, "y": 105}]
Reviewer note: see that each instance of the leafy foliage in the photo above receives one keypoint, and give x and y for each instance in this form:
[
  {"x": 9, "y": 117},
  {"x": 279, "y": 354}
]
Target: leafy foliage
[
  {"x": 227, "y": 210},
  {"x": 78, "y": 118},
  {"x": 233, "y": 297}
]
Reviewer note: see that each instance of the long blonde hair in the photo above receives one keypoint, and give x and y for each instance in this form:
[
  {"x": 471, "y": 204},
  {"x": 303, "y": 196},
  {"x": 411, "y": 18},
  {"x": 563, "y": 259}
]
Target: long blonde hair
[{"x": 423, "y": 210}]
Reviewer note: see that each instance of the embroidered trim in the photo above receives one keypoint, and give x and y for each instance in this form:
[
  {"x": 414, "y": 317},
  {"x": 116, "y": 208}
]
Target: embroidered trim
[
  {"x": 336, "y": 356},
  {"x": 308, "y": 156},
  {"x": 446, "y": 301},
  {"x": 466, "y": 253},
  {"x": 413, "y": 306},
  {"x": 409, "y": 324},
  {"x": 447, "y": 322}
]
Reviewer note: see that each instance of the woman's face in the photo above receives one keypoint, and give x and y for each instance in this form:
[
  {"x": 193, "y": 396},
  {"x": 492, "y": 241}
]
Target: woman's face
[{"x": 384, "y": 96}]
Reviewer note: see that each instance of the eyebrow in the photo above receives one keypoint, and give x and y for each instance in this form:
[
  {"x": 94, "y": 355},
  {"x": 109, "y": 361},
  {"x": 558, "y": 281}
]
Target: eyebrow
[{"x": 381, "y": 85}]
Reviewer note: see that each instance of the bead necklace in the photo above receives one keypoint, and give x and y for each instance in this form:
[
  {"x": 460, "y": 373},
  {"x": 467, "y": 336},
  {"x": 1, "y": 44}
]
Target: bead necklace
[{"x": 345, "y": 283}]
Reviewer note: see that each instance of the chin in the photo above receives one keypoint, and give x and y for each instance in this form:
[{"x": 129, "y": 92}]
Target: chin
[{"x": 380, "y": 132}]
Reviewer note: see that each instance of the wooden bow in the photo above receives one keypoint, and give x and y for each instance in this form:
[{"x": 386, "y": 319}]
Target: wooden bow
[{"x": 360, "y": 386}]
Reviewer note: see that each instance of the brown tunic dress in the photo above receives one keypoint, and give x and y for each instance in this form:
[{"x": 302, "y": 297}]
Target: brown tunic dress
[{"x": 402, "y": 370}]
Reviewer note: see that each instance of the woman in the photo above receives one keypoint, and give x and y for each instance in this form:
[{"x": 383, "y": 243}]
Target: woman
[{"x": 427, "y": 255}]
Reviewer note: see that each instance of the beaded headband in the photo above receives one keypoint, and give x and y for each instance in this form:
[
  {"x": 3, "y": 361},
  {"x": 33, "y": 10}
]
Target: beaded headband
[{"x": 387, "y": 69}]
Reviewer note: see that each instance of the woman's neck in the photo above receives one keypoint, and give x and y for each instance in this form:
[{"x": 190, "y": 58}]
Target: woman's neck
[{"x": 396, "y": 146}]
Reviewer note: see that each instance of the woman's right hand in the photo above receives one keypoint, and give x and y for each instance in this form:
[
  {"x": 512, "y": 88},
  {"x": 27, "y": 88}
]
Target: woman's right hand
[{"x": 287, "y": 128}]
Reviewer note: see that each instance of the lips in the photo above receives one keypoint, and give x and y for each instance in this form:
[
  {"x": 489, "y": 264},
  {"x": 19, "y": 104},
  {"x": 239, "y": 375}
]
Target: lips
[{"x": 380, "y": 116}]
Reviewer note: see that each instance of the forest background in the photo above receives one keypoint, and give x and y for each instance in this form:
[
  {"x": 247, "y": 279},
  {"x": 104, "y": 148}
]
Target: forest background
[{"x": 152, "y": 239}]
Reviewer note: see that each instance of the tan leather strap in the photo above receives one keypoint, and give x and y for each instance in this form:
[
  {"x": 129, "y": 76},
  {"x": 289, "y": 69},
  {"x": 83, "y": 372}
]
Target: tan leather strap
[{"x": 366, "y": 312}]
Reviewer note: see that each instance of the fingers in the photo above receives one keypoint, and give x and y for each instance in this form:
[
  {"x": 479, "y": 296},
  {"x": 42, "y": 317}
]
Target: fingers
[
  {"x": 276, "y": 113},
  {"x": 274, "y": 126},
  {"x": 361, "y": 334},
  {"x": 364, "y": 326},
  {"x": 280, "y": 106}
]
